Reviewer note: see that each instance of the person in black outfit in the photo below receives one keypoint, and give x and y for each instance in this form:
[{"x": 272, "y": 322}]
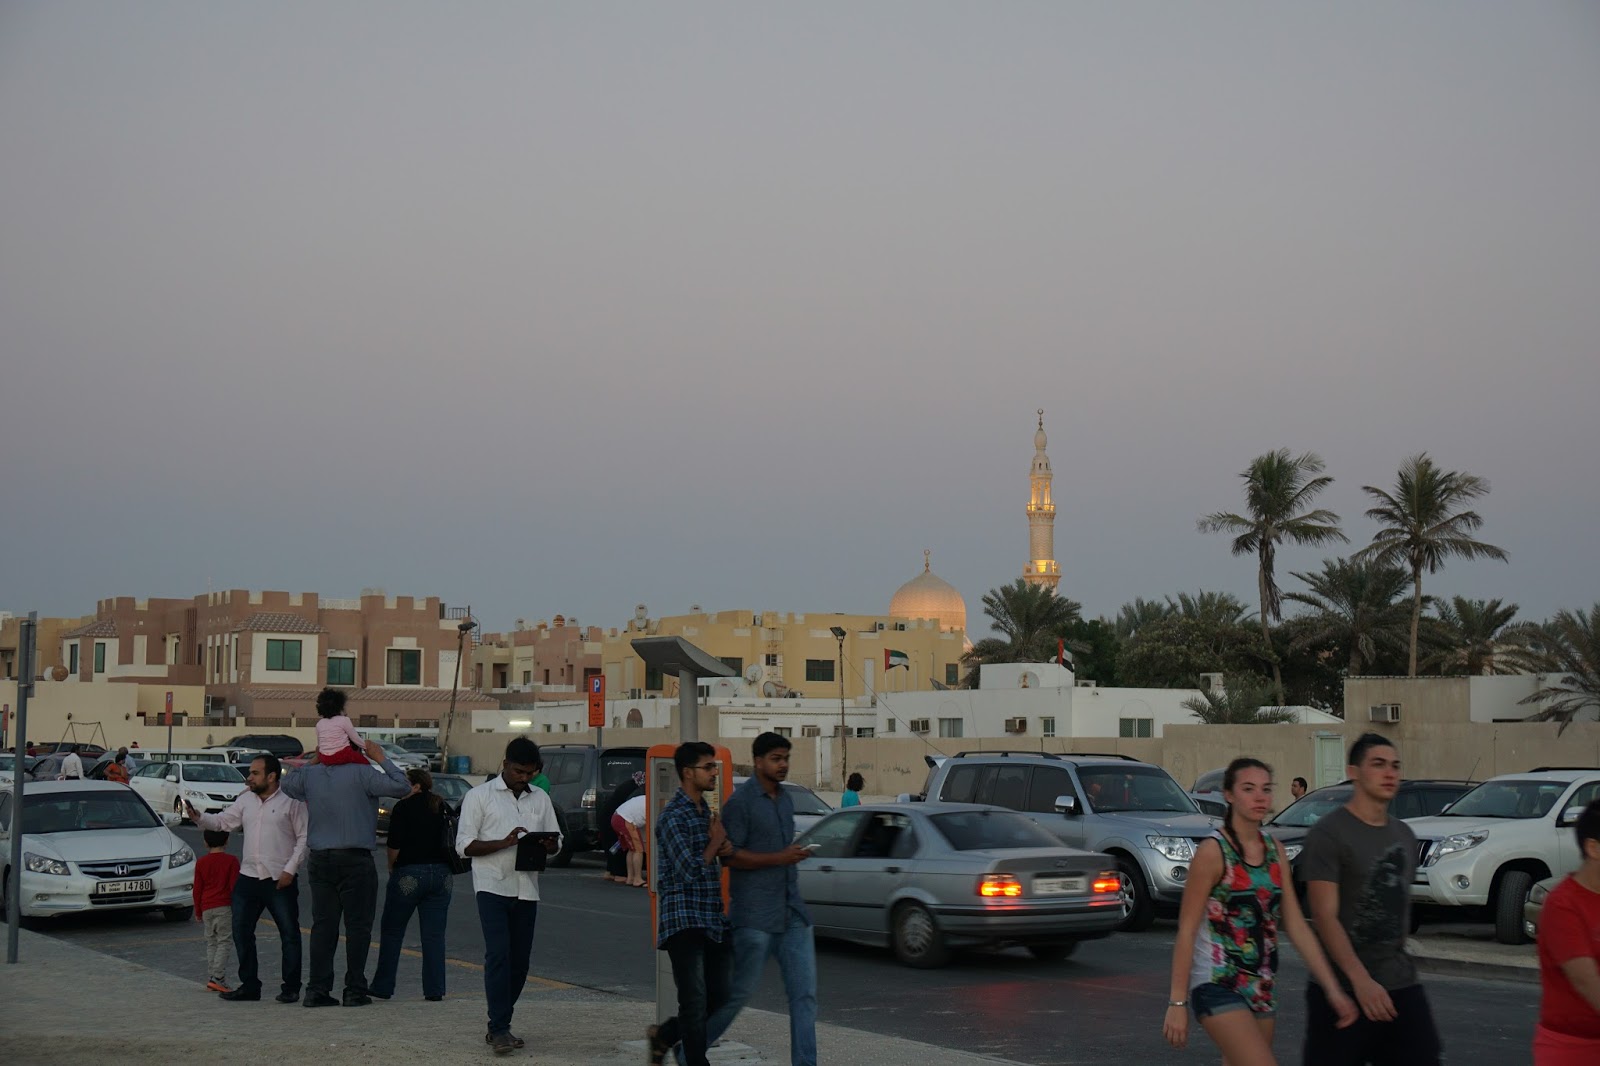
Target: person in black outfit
[
  {"x": 617, "y": 859},
  {"x": 420, "y": 881}
]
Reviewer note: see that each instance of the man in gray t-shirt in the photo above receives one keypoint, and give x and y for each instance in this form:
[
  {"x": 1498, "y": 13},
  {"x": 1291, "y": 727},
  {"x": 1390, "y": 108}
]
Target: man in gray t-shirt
[{"x": 1358, "y": 863}]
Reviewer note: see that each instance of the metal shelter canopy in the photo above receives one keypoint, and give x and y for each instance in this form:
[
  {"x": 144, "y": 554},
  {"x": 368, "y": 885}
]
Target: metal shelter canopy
[{"x": 676, "y": 655}]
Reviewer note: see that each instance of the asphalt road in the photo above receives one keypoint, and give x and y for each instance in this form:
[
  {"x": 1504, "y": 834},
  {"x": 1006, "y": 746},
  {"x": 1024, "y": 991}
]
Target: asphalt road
[{"x": 1103, "y": 1005}]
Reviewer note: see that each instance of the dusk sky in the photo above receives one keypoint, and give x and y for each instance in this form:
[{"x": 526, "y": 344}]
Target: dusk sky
[{"x": 562, "y": 308}]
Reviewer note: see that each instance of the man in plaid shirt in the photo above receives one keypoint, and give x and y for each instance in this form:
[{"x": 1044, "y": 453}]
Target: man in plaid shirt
[{"x": 692, "y": 927}]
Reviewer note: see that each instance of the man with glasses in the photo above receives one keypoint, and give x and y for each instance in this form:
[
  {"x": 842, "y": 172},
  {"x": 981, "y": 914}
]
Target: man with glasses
[{"x": 692, "y": 928}]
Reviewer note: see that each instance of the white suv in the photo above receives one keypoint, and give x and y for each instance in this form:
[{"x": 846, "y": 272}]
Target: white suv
[{"x": 1492, "y": 845}]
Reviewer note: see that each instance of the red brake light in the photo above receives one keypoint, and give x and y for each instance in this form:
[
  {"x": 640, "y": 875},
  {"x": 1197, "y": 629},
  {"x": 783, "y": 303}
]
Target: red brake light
[
  {"x": 1106, "y": 882},
  {"x": 1003, "y": 886}
]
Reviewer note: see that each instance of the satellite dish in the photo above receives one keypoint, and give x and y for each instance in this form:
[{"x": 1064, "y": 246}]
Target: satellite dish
[{"x": 753, "y": 674}]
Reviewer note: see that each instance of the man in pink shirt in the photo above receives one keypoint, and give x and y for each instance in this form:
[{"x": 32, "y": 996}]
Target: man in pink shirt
[{"x": 274, "y": 849}]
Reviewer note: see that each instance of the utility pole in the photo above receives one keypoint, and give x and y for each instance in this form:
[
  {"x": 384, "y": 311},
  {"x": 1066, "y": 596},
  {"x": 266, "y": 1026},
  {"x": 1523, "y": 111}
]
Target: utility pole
[
  {"x": 844, "y": 742},
  {"x": 464, "y": 627},
  {"x": 27, "y": 653}
]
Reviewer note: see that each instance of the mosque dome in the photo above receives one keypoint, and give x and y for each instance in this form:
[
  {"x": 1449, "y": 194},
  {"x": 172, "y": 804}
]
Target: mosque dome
[{"x": 930, "y": 596}]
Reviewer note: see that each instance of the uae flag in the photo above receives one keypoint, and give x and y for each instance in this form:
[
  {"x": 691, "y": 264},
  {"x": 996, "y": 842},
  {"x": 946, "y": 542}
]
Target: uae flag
[{"x": 892, "y": 659}]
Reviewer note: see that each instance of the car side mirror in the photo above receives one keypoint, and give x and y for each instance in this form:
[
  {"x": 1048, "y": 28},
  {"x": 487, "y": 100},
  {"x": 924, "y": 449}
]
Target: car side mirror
[
  {"x": 1066, "y": 804},
  {"x": 1570, "y": 816},
  {"x": 173, "y": 778}
]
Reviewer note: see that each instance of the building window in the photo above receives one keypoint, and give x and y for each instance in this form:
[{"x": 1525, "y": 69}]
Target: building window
[
  {"x": 811, "y": 731},
  {"x": 950, "y": 727},
  {"x": 770, "y": 659},
  {"x": 652, "y": 679},
  {"x": 281, "y": 655},
  {"x": 99, "y": 656},
  {"x": 734, "y": 663},
  {"x": 1136, "y": 727},
  {"x": 1047, "y": 727},
  {"x": 564, "y": 727},
  {"x": 341, "y": 670},
  {"x": 952, "y": 674},
  {"x": 404, "y": 667},
  {"x": 865, "y": 732},
  {"x": 819, "y": 669},
  {"x": 527, "y": 677},
  {"x": 888, "y": 727},
  {"x": 72, "y": 659},
  {"x": 784, "y": 731}
]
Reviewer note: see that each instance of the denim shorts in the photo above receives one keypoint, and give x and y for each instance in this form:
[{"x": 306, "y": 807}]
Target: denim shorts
[{"x": 1209, "y": 999}]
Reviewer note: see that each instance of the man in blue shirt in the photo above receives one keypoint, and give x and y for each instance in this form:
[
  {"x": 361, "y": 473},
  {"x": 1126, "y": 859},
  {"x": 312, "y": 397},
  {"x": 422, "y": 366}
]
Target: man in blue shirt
[
  {"x": 768, "y": 916},
  {"x": 691, "y": 926},
  {"x": 342, "y": 819}
]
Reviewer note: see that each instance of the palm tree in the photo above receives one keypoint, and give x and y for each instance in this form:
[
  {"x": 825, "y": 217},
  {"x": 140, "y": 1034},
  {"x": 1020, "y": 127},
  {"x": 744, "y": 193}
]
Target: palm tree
[
  {"x": 1240, "y": 703},
  {"x": 1569, "y": 645},
  {"x": 1473, "y": 638},
  {"x": 1029, "y": 619},
  {"x": 1138, "y": 614},
  {"x": 1422, "y": 525},
  {"x": 1278, "y": 489},
  {"x": 1223, "y": 608},
  {"x": 1357, "y": 605}
]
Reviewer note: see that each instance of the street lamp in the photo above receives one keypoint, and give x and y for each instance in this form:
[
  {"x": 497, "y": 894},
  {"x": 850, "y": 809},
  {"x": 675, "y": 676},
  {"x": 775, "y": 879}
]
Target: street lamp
[
  {"x": 464, "y": 627},
  {"x": 844, "y": 741}
]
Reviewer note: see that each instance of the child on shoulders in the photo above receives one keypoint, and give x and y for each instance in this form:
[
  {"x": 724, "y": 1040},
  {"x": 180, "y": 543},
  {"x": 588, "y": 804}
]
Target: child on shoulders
[{"x": 337, "y": 739}]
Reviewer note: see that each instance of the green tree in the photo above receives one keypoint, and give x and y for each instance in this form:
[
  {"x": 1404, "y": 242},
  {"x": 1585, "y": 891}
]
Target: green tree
[
  {"x": 1220, "y": 607},
  {"x": 1140, "y": 613},
  {"x": 1278, "y": 490},
  {"x": 1357, "y": 609},
  {"x": 1172, "y": 652},
  {"x": 1568, "y": 645},
  {"x": 1240, "y": 702},
  {"x": 1095, "y": 648},
  {"x": 1422, "y": 524},
  {"x": 1473, "y": 637},
  {"x": 1029, "y": 619}
]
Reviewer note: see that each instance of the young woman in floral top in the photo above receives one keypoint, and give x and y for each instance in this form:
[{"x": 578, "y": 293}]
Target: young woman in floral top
[{"x": 1225, "y": 959}]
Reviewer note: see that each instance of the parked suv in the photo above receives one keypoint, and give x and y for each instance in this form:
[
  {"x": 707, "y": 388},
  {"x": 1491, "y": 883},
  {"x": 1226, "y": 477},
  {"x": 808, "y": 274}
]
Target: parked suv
[
  {"x": 581, "y": 777},
  {"x": 427, "y": 747},
  {"x": 282, "y": 745},
  {"x": 1492, "y": 845},
  {"x": 1132, "y": 810}
]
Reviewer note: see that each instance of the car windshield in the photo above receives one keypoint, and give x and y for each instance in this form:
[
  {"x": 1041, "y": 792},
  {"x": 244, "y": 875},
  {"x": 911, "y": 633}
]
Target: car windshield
[
  {"x": 1509, "y": 799},
  {"x": 973, "y": 830},
  {"x": 615, "y": 769},
  {"x": 74, "y": 812},
  {"x": 451, "y": 788},
  {"x": 1134, "y": 788},
  {"x": 8, "y": 762},
  {"x": 421, "y": 745},
  {"x": 220, "y": 773},
  {"x": 1308, "y": 810},
  {"x": 806, "y": 801}
]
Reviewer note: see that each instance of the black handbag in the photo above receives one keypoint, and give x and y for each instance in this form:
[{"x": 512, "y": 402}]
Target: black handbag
[{"x": 458, "y": 864}]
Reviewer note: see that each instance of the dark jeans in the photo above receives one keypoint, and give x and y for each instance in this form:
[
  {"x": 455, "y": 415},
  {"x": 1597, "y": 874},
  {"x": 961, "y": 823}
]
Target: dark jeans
[
  {"x": 344, "y": 884},
  {"x": 250, "y": 898},
  {"x": 424, "y": 888},
  {"x": 1411, "y": 1039},
  {"x": 702, "y": 969},
  {"x": 507, "y": 945}
]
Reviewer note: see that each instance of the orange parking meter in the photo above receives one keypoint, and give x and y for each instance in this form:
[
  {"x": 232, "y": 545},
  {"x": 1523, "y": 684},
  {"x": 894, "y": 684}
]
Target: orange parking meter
[{"x": 660, "y": 784}]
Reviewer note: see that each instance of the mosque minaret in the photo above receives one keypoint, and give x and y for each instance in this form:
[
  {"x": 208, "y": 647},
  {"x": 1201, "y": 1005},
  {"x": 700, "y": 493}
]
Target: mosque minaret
[{"x": 1041, "y": 568}]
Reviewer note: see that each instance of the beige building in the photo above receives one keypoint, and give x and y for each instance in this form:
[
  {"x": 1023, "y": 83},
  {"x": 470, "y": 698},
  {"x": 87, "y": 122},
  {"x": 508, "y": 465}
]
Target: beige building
[{"x": 539, "y": 662}]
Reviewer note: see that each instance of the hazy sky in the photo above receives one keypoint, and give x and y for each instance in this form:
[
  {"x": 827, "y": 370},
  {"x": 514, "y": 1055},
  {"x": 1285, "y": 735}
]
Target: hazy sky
[{"x": 563, "y": 308}]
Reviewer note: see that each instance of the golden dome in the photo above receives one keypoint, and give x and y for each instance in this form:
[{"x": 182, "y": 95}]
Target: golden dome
[{"x": 929, "y": 596}]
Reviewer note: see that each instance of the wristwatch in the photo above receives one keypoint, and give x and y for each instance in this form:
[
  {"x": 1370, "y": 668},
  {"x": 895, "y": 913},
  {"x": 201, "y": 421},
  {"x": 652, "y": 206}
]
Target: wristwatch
[{"x": 1177, "y": 1003}]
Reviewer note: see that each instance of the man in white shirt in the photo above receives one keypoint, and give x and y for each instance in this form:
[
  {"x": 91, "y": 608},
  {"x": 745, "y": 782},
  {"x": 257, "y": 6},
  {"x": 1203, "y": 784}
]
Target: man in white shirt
[
  {"x": 494, "y": 817},
  {"x": 72, "y": 766},
  {"x": 274, "y": 850}
]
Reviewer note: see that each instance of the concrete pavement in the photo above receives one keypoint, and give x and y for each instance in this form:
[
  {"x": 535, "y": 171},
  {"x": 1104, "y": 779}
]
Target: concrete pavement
[
  {"x": 66, "y": 1004},
  {"x": 1472, "y": 951}
]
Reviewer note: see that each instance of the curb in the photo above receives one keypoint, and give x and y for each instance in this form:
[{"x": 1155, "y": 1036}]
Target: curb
[{"x": 1484, "y": 971}]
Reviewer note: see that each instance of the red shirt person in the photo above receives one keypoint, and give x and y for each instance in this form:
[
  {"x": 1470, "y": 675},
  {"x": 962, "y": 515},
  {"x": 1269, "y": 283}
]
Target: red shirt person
[{"x": 1568, "y": 1033}]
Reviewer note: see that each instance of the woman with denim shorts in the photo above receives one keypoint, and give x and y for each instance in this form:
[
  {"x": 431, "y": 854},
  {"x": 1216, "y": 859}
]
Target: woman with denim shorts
[{"x": 1225, "y": 959}]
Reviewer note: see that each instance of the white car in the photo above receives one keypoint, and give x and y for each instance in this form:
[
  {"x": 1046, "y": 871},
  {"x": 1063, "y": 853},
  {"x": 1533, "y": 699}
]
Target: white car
[
  {"x": 210, "y": 786},
  {"x": 1492, "y": 845},
  {"x": 94, "y": 846}
]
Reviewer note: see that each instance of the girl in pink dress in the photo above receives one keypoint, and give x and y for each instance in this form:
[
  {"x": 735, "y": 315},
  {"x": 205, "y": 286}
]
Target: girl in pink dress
[{"x": 337, "y": 739}]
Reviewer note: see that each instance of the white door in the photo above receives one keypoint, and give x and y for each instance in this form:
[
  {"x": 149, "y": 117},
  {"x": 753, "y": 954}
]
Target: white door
[
  {"x": 1567, "y": 857},
  {"x": 1329, "y": 760},
  {"x": 151, "y": 783}
]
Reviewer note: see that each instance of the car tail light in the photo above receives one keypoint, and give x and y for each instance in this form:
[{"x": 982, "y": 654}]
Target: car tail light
[
  {"x": 588, "y": 799},
  {"x": 1106, "y": 882},
  {"x": 999, "y": 885}
]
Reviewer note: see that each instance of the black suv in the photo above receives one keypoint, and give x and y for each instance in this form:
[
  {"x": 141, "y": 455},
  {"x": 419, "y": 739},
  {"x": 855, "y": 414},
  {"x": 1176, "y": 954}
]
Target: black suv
[
  {"x": 280, "y": 744},
  {"x": 424, "y": 746},
  {"x": 581, "y": 777}
]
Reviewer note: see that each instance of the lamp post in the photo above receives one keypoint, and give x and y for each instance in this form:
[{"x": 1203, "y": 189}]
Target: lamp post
[
  {"x": 844, "y": 742},
  {"x": 464, "y": 627}
]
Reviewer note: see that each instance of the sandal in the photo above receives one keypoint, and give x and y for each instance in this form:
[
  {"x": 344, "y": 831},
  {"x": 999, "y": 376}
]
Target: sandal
[{"x": 658, "y": 1047}]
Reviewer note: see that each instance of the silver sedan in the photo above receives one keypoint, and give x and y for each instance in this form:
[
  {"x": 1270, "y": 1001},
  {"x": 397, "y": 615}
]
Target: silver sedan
[{"x": 927, "y": 877}]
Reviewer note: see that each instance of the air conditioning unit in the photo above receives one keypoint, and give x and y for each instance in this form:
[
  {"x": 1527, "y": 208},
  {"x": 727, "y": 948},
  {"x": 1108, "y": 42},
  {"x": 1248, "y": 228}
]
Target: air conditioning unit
[
  {"x": 1016, "y": 725},
  {"x": 919, "y": 725},
  {"x": 1088, "y": 684},
  {"x": 879, "y": 627},
  {"x": 1211, "y": 683},
  {"x": 1384, "y": 712}
]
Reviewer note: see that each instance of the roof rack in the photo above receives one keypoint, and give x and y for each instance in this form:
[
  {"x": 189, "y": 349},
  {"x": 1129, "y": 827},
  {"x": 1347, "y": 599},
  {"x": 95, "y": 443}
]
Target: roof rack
[
  {"x": 1547, "y": 769},
  {"x": 1007, "y": 751},
  {"x": 1100, "y": 755}
]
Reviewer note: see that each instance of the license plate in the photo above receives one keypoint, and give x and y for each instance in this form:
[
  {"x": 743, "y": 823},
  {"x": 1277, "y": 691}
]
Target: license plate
[
  {"x": 1057, "y": 886},
  {"x": 118, "y": 888}
]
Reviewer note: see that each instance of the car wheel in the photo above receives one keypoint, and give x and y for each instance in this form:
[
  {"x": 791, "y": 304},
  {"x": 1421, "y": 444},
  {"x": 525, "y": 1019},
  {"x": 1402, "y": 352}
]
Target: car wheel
[
  {"x": 1053, "y": 952},
  {"x": 178, "y": 914},
  {"x": 917, "y": 940},
  {"x": 1514, "y": 889},
  {"x": 1137, "y": 910}
]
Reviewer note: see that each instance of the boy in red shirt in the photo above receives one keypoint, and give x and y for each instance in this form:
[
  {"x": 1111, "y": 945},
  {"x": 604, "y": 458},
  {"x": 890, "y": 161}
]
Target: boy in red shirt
[
  {"x": 214, "y": 876},
  {"x": 1569, "y": 959}
]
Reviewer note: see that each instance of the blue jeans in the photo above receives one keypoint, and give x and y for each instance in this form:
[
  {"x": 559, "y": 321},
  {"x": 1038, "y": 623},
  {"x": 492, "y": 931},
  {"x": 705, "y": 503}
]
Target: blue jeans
[
  {"x": 507, "y": 945},
  {"x": 796, "y": 951},
  {"x": 423, "y": 888},
  {"x": 250, "y": 898}
]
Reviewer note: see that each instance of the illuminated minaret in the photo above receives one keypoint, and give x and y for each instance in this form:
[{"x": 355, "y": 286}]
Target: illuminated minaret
[{"x": 1041, "y": 568}]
